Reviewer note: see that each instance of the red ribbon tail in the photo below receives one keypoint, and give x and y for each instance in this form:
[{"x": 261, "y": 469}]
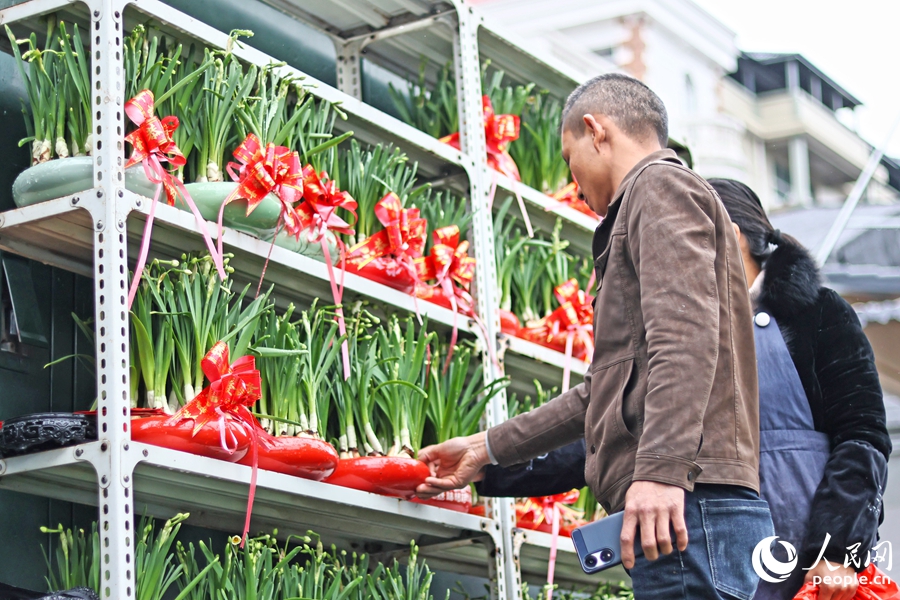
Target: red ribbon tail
[
  {"x": 254, "y": 461},
  {"x": 337, "y": 293},
  {"x": 493, "y": 191},
  {"x": 217, "y": 257},
  {"x": 447, "y": 286},
  {"x": 145, "y": 246},
  {"x": 268, "y": 256},
  {"x": 220, "y": 229}
]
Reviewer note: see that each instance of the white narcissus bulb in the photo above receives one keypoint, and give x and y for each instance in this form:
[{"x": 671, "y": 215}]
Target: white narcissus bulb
[
  {"x": 212, "y": 172},
  {"x": 89, "y": 144},
  {"x": 62, "y": 149}
]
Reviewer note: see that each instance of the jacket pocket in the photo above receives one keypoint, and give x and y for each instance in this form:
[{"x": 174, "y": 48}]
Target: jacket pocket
[
  {"x": 733, "y": 528},
  {"x": 609, "y": 442},
  {"x": 609, "y": 384}
]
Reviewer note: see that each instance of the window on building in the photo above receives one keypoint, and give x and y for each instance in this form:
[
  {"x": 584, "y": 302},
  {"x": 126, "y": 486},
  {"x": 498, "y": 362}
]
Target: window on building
[
  {"x": 782, "y": 183},
  {"x": 690, "y": 95}
]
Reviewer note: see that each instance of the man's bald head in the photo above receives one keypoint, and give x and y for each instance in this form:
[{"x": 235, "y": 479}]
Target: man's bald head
[{"x": 630, "y": 104}]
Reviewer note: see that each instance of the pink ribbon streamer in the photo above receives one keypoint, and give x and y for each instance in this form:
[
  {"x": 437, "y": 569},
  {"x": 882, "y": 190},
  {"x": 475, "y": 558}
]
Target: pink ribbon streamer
[
  {"x": 515, "y": 189},
  {"x": 554, "y": 542},
  {"x": 156, "y": 174}
]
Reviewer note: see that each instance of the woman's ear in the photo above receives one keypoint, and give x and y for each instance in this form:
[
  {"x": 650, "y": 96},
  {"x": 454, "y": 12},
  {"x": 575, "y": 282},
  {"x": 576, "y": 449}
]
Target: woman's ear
[{"x": 737, "y": 231}]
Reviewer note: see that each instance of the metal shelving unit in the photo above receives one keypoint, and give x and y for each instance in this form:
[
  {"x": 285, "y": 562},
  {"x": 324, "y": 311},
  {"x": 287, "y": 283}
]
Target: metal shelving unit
[{"x": 94, "y": 232}]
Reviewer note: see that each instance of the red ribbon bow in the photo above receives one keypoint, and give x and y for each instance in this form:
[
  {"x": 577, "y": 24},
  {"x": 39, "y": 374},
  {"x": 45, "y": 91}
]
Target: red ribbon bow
[
  {"x": 263, "y": 170},
  {"x": 403, "y": 236},
  {"x": 568, "y": 196},
  {"x": 547, "y": 503},
  {"x": 575, "y": 316},
  {"x": 575, "y": 308},
  {"x": 499, "y": 131},
  {"x": 152, "y": 141},
  {"x": 448, "y": 263},
  {"x": 232, "y": 388},
  {"x": 152, "y": 144},
  {"x": 321, "y": 199}
]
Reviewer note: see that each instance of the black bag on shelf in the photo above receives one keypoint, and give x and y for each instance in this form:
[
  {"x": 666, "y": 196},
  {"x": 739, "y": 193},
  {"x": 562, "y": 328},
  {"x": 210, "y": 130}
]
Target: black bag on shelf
[
  {"x": 8, "y": 592},
  {"x": 45, "y": 431}
]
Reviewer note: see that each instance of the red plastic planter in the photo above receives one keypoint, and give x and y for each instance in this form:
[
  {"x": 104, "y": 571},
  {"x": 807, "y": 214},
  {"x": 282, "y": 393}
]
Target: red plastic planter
[
  {"x": 509, "y": 323},
  {"x": 304, "y": 457},
  {"x": 385, "y": 271},
  {"x": 207, "y": 442},
  {"x": 386, "y": 475}
]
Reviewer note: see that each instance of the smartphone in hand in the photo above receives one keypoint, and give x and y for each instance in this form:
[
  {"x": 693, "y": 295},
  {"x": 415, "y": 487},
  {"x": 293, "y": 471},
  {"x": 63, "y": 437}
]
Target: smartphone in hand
[{"x": 597, "y": 544}]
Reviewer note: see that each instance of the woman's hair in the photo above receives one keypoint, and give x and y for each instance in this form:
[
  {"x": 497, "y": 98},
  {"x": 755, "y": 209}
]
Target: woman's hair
[{"x": 746, "y": 212}]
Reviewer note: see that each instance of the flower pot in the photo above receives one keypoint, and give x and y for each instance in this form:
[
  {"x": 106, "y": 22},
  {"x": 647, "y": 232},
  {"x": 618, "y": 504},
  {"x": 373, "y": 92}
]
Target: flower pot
[
  {"x": 385, "y": 271},
  {"x": 554, "y": 341},
  {"x": 66, "y": 176},
  {"x": 386, "y": 475},
  {"x": 436, "y": 295},
  {"x": 509, "y": 322},
  {"x": 45, "y": 431},
  {"x": 458, "y": 500},
  {"x": 180, "y": 436},
  {"x": 261, "y": 223},
  {"x": 304, "y": 457}
]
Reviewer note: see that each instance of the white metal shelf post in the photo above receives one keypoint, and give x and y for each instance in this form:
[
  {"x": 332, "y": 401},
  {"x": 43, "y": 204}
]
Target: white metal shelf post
[
  {"x": 467, "y": 64},
  {"x": 109, "y": 211}
]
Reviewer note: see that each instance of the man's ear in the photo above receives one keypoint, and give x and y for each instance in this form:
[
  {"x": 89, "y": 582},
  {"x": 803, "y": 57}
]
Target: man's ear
[{"x": 596, "y": 131}]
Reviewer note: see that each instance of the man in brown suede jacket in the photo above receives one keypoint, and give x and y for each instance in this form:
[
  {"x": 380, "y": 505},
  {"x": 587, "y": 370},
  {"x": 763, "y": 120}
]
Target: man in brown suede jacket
[{"x": 669, "y": 410}]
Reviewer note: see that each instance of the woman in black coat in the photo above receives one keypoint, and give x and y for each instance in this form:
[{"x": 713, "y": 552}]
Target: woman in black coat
[{"x": 843, "y": 455}]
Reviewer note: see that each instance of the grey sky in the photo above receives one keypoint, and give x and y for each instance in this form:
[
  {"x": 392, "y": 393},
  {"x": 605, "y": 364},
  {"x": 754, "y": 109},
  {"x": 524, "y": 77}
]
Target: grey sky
[{"x": 855, "y": 43}]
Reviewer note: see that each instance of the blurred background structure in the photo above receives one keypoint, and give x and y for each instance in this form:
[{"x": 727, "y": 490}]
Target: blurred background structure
[{"x": 775, "y": 121}]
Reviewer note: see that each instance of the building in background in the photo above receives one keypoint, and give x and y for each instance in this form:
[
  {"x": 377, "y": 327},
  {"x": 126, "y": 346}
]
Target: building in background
[{"x": 774, "y": 121}]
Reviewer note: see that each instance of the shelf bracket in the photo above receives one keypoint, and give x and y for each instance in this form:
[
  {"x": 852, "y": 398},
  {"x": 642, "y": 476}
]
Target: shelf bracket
[
  {"x": 349, "y": 66},
  {"x": 349, "y": 50}
]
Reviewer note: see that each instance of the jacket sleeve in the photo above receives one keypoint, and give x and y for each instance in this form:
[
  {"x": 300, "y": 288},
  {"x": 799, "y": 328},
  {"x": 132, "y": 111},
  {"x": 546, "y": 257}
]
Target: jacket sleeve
[
  {"x": 672, "y": 241},
  {"x": 848, "y": 502},
  {"x": 554, "y": 473},
  {"x": 553, "y": 425}
]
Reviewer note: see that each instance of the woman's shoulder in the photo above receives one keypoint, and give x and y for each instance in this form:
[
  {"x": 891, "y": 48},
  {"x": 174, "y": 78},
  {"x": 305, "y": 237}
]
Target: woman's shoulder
[{"x": 833, "y": 310}]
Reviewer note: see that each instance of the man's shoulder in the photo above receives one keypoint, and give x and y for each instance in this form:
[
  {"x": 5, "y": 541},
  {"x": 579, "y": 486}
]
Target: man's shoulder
[
  {"x": 664, "y": 181},
  {"x": 671, "y": 172}
]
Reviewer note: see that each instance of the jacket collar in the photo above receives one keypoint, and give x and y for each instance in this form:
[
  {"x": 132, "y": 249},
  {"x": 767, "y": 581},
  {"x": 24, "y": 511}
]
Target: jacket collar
[
  {"x": 601, "y": 234},
  {"x": 664, "y": 154},
  {"x": 792, "y": 281}
]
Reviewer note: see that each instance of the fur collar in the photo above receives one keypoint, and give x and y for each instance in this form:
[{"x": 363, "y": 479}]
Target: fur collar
[{"x": 791, "y": 282}]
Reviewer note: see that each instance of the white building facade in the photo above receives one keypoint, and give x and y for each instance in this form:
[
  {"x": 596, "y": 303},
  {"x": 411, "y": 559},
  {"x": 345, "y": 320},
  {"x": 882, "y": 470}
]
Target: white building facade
[{"x": 784, "y": 135}]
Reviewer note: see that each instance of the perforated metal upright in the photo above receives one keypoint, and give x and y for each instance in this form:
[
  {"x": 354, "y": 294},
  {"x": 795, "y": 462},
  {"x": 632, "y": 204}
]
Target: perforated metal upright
[
  {"x": 109, "y": 209},
  {"x": 467, "y": 62}
]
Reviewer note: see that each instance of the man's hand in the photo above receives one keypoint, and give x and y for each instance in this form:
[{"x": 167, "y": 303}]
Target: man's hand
[
  {"x": 453, "y": 464},
  {"x": 654, "y": 507},
  {"x": 846, "y": 585}
]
